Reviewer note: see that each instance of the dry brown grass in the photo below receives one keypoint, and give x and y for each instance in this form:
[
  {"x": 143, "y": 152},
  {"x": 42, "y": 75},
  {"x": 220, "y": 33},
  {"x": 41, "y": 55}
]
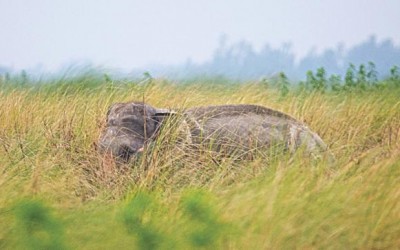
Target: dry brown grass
[{"x": 48, "y": 151}]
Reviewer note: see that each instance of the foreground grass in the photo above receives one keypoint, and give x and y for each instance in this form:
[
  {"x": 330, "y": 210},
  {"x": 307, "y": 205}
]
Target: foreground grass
[{"x": 56, "y": 192}]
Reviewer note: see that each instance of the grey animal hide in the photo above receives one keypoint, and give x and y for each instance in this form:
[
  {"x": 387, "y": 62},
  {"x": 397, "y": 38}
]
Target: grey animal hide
[{"x": 227, "y": 128}]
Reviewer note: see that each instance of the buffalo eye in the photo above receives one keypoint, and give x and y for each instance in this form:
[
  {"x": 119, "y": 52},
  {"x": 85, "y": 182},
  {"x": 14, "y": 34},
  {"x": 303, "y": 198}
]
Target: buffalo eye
[
  {"x": 126, "y": 120},
  {"x": 112, "y": 122},
  {"x": 130, "y": 119}
]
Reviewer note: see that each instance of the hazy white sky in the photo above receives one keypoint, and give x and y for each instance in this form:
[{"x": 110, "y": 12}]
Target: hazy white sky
[{"x": 127, "y": 33}]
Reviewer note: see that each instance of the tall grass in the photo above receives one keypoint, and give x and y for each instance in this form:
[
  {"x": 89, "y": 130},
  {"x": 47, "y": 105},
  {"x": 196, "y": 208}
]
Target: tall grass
[{"x": 181, "y": 199}]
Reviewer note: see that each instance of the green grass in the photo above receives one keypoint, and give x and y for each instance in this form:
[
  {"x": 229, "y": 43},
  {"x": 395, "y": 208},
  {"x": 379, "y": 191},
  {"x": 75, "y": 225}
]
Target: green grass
[{"x": 57, "y": 192}]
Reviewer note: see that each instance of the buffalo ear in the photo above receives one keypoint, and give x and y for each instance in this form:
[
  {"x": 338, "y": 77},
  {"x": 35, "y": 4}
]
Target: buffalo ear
[
  {"x": 161, "y": 114},
  {"x": 164, "y": 112}
]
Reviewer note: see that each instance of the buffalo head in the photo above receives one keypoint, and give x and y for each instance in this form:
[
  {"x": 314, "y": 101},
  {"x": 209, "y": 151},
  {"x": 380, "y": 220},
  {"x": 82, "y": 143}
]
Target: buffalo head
[{"x": 129, "y": 126}]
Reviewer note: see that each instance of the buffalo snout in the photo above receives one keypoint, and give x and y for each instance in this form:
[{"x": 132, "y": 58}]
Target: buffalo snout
[{"x": 120, "y": 144}]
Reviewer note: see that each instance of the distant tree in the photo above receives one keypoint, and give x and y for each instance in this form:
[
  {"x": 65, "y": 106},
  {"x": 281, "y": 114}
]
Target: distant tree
[
  {"x": 349, "y": 78},
  {"x": 335, "y": 82},
  {"x": 372, "y": 74},
  {"x": 302, "y": 86},
  {"x": 147, "y": 78},
  {"x": 361, "y": 77},
  {"x": 264, "y": 82},
  {"x": 394, "y": 76},
  {"x": 310, "y": 80},
  {"x": 283, "y": 84},
  {"x": 320, "y": 82},
  {"x": 24, "y": 77},
  {"x": 107, "y": 78},
  {"x": 394, "y": 73},
  {"x": 383, "y": 53}
]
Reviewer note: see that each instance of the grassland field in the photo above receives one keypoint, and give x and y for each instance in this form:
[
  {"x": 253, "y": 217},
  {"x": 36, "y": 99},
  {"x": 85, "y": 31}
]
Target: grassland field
[{"x": 57, "y": 192}]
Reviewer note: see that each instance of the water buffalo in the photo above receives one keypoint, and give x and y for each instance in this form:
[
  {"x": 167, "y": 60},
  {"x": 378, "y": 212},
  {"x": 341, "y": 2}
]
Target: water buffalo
[{"x": 229, "y": 128}]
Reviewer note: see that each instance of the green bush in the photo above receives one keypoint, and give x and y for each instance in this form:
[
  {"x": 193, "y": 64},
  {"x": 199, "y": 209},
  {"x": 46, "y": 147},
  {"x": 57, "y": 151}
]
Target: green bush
[{"x": 36, "y": 227}]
